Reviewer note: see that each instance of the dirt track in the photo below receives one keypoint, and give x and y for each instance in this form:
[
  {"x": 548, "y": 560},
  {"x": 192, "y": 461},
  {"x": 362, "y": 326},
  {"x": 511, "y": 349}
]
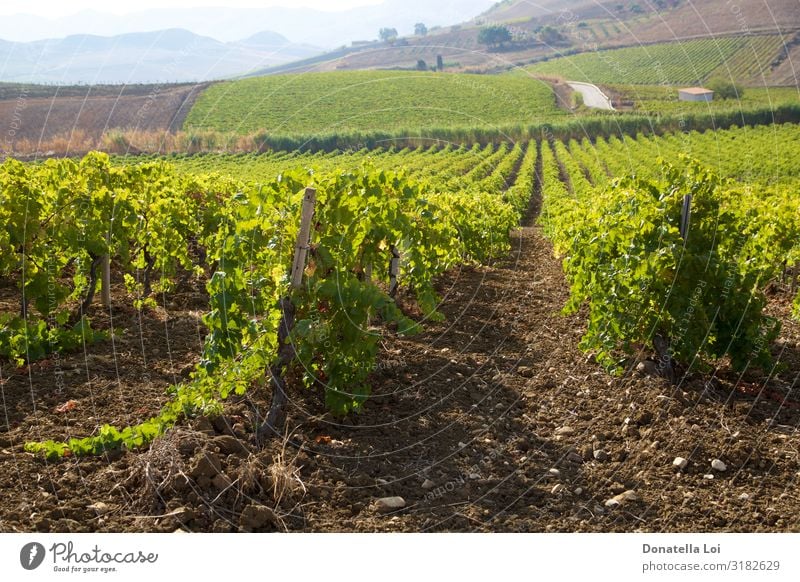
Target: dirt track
[{"x": 592, "y": 95}]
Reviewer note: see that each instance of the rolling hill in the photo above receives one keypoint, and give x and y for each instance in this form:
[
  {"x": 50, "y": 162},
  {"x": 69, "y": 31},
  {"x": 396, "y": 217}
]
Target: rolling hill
[
  {"x": 352, "y": 101},
  {"x": 691, "y": 62},
  {"x": 632, "y": 48},
  {"x": 579, "y": 26}
]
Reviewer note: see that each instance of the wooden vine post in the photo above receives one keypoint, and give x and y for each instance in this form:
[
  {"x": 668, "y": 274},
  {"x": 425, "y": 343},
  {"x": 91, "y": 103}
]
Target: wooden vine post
[
  {"x": 394, "y": 270},
  {"x": 276, "y": 417},
  {"x": 686, "y": 215},
  {"x": 105, "y": 280},
  {"x": 105, "y": 269}
]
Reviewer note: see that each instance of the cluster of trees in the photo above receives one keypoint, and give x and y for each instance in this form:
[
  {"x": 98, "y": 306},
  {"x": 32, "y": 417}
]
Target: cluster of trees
[
  {"x": 387, "y": 34},
  {"x": 390, "y": 34},
  {"x": 495, "y": 36},
  {"x": 724, "y": 89}
]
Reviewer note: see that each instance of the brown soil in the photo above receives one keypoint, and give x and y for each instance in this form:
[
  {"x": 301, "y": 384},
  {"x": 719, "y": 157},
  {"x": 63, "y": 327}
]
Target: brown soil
[
  {"x": 467, "y": 423},
  {"x": 784, "y": 69},
  {"x": 34, "y": 123},
  {"x": 712, "y": 17}
]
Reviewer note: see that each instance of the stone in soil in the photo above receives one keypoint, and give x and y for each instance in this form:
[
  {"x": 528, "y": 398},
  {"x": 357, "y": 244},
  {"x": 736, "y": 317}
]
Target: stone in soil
[
  {"x": 565, "y": 430},
  {"x": 204, "y": 426},
  {"x": 575, "y": 457},
  {"x": 617, "y": 488},
  {"x": 221, "y": 481},
  {"x": 623, "y": 498},
  {"x": 229, "y": 445},
  {"x": 99, "y": 508},
  {"x": 183, "y": 515},
  {"x": 718, "y": 465},
  {"x": 526, "y": 372},
  {"x": 647, "y": 368},
  {"x": 428, "y": 484},
  {"x": 600, "y": 455},
  {"x": 680, "y": 463},
  {"x": 205, "y": 464},
  {"x": 388, "y": 504},
  {"x": 256, "y": 516}
]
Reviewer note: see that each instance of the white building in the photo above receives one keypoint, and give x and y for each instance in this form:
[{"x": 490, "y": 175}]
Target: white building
[{"x": 695, "y": 94}]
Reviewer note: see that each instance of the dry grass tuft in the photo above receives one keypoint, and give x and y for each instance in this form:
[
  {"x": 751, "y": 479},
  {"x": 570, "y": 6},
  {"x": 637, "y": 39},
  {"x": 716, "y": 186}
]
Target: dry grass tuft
[{"x": 285, "y": 475}]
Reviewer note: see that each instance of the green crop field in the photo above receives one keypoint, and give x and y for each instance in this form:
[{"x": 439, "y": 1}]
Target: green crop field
[
  {"x": 752, "y": 62},
  {"x": 615, "y": 210},
  {"x": 687, "y": 62},
  {"x": 348, "y": 293},
  {"x": 441, "y": 205},
  {"x": 302, "y": 273},
  {"x": 438, "y": 207},
  {"x": 662, "y": 99},
  {"x": 341, "y": 102}
]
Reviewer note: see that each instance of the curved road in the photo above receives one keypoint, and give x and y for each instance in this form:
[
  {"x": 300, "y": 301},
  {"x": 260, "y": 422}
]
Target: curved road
[{"x": 592, "y": 95}]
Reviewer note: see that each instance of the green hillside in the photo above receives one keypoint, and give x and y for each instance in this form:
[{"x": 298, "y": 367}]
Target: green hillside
[
  {"x": 341, "y": 102},
  {"x": 687, "y": 62}
]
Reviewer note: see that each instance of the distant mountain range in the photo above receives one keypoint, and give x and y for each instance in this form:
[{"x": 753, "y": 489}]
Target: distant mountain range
[
  {"x": 198, "y": 44},
  {"x": 327, "y": 29},
  {"x": 172, "y": 55}
]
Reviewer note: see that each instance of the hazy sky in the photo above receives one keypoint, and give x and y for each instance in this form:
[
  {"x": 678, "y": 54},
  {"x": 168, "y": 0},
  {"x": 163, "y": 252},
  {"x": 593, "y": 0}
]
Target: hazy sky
[{"x": 56, "y": 8}]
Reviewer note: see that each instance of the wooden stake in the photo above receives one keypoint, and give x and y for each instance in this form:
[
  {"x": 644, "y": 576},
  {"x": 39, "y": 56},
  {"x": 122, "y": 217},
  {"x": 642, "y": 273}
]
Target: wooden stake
[
  {"x": 303, "y": 238},
  {"x": 686, "y": 213},
  {"x": 105, "y": 280},
  {"x": 276, "y": 417},
  {"x": 394, "y": 270},
  {"x": 105, "y": 273}
]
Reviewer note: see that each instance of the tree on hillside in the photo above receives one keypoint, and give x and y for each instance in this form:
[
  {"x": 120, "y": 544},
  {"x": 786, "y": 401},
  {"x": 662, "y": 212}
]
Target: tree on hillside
[
  {"x": 550, "y": 35},
  {"x": 420, "y": 29},
  {"x": 724, "y": 89},
  {"x": 387, "y": 34},
  {"x": 494, "y": 35}
]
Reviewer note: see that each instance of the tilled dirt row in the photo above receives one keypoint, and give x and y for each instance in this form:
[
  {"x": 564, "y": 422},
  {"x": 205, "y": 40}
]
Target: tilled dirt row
[{"x": 493, "y": 420}]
